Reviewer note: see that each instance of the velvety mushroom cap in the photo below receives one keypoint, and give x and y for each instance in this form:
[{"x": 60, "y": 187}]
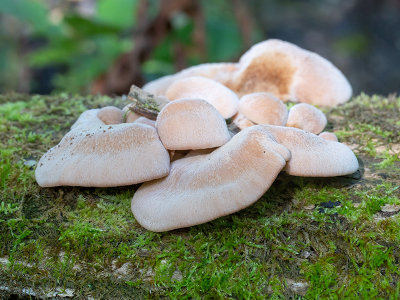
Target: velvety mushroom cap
[
  {"x": 313, "y": 156},
  {"x": 306, "y": 117},
  {"x": 263, "y": 108},
  {"x": 104, "y": 156},
  {"x": 191, "y": 124},
  {"x": 145, "y": 121},
  {"x": 202, "y": 188},
  {"x": 218, "y": 95},
  {"x": 290, "y": 73},
  {"x": 329, "y": 136},
  {"x": 110, "y": 115},
  {"x": 241, "y": 121}
]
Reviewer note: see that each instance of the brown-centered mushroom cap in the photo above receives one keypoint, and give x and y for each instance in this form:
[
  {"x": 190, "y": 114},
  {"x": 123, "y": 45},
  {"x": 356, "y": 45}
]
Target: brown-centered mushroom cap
[
  {"x": 290, "y": 73},
  {"x": 313, "y": 156},
  {"x": 202, "y": 188},
  {"x": 307, "y": 117},
  {"x": 104, "y": 155},
  {"x": 191, "y": 124},
  {"x": 329, "y": 136},
  {"x": 218, "y": 95},
  {"x": 110, "y": 115},
  {"x": 263, "y": 108}
]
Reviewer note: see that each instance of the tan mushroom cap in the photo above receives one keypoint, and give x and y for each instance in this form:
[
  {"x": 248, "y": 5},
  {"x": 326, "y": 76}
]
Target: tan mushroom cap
[
  {"x": 202, "y": 188},
  {"x": 218, "y": 95},
  {"x": 307, "y": 117},
  {"x": 313, "y": 156},
  {"x": 189, "y": 124},
  {"x": 110, "y": 115},
  {"x": 104, "y": 156},
  {"x": 263, "y": 108},
  {"x": 145, "y": 121},
  {"x": 129, "y": 115},
  {"x": 88, "y": 119},
  {"x": 241, "y": 121},
  {"x": 329, "y": 136},
  {"x": 290, "y": 73}
]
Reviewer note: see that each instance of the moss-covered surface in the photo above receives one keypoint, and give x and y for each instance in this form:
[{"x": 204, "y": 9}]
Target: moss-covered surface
[{"x": 86, "y": 240}]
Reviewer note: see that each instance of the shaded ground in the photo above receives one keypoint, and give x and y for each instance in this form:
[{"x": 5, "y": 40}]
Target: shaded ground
[{"x": 305, "y": 237}]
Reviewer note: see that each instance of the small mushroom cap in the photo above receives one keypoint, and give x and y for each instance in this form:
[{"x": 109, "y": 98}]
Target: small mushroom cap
[
  {"x": 146, "y": 121},
  {"x": 241, "y": 121},
  {"x": 218, "y": 95},
  {"x": 103, "y": 156},
  {"x": 129, "y": 115},
  {"x": 187, "y": 124},
  {"x": 263, "y": 108},
  {"x": 204, "y": 187},
  {"x": 110, "y": 115},
  {"x": 329, "y": 136},
  {"x": 290, "y": 73},
  {"x": 306, "y": 117},
  {"x": 313, "y": 156}
]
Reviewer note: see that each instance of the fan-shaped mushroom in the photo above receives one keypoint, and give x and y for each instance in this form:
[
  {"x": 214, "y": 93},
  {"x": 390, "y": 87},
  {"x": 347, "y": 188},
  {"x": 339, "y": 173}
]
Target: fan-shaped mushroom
[
  {"x": 95, "y": 154},
  {"x": 290, "y": 73},
  {"x": 312, "y": 155},
  {"x": 202, "y": 188}
]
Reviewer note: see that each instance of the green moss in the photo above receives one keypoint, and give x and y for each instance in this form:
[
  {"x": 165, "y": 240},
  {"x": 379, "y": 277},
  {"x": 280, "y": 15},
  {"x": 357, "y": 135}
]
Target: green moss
[{"x": 87, "y": 238}]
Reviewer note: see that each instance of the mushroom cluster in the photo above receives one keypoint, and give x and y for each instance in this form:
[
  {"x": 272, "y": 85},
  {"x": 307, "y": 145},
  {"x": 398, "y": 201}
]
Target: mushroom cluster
[{"x": 209, "y": 140}]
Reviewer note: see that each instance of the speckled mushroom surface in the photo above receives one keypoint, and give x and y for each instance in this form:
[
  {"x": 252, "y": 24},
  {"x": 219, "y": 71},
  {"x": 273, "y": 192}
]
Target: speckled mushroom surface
[
  {"x": 263, "y": 108},
  {"x": 201, "y": 188},
  {"x": 190, "y": 124},
  {"x": 307, "y": 117},
  {"x": 313, "y": 156},
  {"x": 219, "y": 96},
  {"x": 99, "y": 155}
]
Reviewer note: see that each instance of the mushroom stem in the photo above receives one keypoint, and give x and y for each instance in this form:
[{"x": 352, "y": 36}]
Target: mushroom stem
[{"x": 144, "y": 103}]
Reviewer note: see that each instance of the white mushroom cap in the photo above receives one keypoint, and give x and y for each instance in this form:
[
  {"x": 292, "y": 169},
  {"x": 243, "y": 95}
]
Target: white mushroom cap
[
  {"x": 329, "y": 136},
  {"x": 263, "y": 108},
  {"x": 241, "y": 121},
  {"x": 129, "y": 115},
  {"x": 202, "y": 188},
  {"x": 146, "y": 121},
  {"x": 191, "y": 124},
  {"x": 290, "y": 73},
  {"x": 313, "y": 156},
  {"x": 103, "y": 156},
  {"x": 110, "y": 115},
  {"x": 306, "y": 117},
  {"x": 218, "y": 95}
]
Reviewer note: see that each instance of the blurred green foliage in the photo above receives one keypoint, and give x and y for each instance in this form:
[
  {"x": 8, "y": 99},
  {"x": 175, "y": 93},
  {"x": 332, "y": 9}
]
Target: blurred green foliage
[{"x": 81, "y": 48}]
